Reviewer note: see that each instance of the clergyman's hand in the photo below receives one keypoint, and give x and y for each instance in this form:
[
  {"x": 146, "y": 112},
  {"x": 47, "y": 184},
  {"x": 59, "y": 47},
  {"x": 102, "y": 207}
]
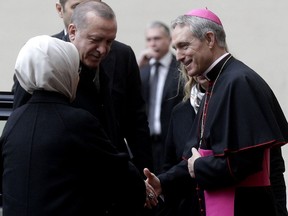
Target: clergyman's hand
[{"x": 191, "y": 161}]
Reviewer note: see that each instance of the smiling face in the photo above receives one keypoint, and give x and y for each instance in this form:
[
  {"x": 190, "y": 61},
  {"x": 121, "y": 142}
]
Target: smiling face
[
  {"x": 195, "y": 54},
  {"x": 94, "y": 40}
]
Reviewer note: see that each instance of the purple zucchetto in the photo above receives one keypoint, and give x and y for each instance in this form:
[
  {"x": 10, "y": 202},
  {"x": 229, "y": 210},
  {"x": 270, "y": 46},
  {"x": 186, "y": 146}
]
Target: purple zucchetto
[{"x": 206, "y": 14}]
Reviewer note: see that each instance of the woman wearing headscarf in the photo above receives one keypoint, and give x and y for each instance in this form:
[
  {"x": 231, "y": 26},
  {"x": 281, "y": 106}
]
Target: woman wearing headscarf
[{"x": 57, "y": 160}]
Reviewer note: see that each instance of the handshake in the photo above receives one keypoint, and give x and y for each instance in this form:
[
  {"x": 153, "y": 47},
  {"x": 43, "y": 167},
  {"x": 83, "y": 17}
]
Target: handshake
[
  {"x": 153, "y": 184},
  {"x": 153, "y": 188}
]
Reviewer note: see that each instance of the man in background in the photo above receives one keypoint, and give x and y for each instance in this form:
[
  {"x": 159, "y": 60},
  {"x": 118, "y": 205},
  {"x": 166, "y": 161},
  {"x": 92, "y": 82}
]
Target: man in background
[{"x": 157, "y": 61}]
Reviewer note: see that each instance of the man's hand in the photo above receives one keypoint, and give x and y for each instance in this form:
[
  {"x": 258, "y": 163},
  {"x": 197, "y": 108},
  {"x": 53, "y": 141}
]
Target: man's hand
[
  {"x": 145, "y": 56},
  {"x": 153, "y": 188},
  {"x": 191, "y": 161}
]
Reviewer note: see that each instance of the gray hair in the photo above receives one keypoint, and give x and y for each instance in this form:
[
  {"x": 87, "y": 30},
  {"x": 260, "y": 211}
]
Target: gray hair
[
  {"x": 200, "y": 26},
  {"x": 100, "y": 9},
  {"x": 159, "y": 24}
]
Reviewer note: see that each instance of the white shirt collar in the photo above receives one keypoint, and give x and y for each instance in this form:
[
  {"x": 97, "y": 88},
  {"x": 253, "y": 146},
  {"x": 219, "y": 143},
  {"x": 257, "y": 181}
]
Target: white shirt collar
[
  {"x": 214, "y": 63},
  {"x": 165, "y": 60}
]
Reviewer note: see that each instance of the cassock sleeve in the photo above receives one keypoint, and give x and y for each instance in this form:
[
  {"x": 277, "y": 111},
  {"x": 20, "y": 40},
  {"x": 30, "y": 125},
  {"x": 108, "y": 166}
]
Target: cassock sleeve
[
  {"x": 177, "y": 181},
  {"x": 221, "y": 171}
]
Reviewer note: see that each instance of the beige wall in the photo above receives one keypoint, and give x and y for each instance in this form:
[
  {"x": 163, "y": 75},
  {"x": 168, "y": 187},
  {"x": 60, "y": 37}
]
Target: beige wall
[{"x": 256, "y": 31}]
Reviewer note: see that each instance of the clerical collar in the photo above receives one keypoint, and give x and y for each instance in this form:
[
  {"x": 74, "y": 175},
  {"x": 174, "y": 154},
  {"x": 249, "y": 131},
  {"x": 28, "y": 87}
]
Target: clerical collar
[{"x": 212, "y": 72}]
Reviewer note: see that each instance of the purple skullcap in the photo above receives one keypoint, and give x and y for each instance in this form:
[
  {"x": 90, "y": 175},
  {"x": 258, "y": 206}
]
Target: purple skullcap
[{"x": 206, "y": 14}]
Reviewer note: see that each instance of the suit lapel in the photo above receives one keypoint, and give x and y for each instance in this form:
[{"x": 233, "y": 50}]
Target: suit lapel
[
  {"x": 109, "y": 64},
  {"x": 145, "y": 76}
]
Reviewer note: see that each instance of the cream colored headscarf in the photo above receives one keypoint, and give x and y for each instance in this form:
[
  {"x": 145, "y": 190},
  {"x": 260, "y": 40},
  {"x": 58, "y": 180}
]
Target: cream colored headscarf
[{"x": 47, "y": 63}]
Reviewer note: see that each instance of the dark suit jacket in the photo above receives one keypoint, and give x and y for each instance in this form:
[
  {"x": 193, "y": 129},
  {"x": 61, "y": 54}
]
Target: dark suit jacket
[
  {"x": 58, "y": 161},
  {"x": 172, "y": 94},
  {"x": 121, "y": 67},
  {"x": 130, "y": 108},
  {"x": 60, "y": 35}
]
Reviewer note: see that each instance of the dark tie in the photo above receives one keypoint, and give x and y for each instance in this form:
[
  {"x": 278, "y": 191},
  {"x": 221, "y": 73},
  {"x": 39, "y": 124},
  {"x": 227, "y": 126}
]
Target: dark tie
[{"x": 152, "y": 99}]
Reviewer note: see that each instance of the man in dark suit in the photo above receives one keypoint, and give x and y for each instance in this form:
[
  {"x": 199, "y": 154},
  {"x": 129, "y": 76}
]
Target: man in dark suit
[
  {"x": 121, "y": 67},
  {"x": 169, "y": 86}
]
